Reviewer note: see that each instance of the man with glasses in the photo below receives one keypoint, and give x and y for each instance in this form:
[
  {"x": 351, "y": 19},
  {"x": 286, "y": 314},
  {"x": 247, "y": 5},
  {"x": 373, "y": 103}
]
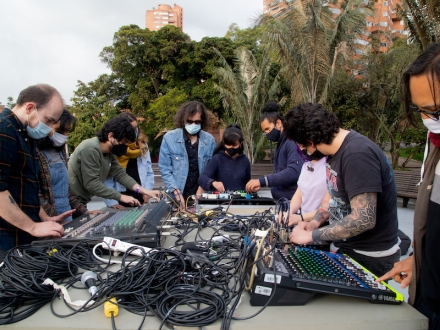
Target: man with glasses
[
  {"x": 95, "y": 159},
  {"x": 421, "y": 271},
  {"x": 185, "y": 151},
  {"x": 22, "y": 219},
  {"x": 433, "y": 114},
  {"x": 287, "y": 160}
]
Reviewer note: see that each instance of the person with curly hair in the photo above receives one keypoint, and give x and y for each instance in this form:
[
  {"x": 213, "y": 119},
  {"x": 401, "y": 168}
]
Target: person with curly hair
[
  {"x": 229, "y": 169},
  {"x": 137, "y": 164},
  {"x": 421, "y": 86},
  {"x": 95, "y": 159},
  {"x": 185, "y": 151},
  {"x": 287, "y": 157},
  {"x": 361, "y": 199}
]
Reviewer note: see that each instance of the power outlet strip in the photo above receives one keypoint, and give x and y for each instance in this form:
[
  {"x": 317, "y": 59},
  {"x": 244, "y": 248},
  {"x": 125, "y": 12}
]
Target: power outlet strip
[{"x": 118, "y": 246}]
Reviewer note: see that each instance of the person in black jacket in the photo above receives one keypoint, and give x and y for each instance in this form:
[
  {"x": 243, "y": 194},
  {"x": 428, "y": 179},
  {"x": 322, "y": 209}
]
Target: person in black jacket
[
  {"x": 229, "y": 169},
  {"x": 287, "y": 158}
]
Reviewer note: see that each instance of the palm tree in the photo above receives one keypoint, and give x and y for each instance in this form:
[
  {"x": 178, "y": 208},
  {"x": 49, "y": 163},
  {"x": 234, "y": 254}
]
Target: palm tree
[
  {"x": 307, "y": 40},
  {"x": 244, "y": 89},
  {"x": 422, "y": 18}
]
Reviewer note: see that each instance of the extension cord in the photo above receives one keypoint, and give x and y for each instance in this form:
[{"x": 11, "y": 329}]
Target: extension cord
[{"x": 118, "y": 246}]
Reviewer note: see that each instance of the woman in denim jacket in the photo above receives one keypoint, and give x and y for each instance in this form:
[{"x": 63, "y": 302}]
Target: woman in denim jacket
[{"x": 185, "y": 151}]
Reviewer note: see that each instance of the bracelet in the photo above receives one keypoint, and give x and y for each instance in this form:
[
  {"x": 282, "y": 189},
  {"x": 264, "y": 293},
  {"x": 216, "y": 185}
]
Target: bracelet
[{"x": 137, "y": 189}]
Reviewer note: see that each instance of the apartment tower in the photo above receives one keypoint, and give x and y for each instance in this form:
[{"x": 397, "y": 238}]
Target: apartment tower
[{"x": 164, "y": 15}]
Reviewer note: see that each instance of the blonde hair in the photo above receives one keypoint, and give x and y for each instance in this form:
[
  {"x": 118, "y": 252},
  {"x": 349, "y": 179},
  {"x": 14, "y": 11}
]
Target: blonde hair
[{"x": 142, "y": 142}]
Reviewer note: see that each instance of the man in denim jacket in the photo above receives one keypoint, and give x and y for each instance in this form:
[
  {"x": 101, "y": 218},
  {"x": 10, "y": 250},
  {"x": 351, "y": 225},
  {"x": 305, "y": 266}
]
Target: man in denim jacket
[{"x": 185, "y": 151}]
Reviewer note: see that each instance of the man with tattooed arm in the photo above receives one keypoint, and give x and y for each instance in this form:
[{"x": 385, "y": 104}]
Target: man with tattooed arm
[{"x": 361, "y": 198}]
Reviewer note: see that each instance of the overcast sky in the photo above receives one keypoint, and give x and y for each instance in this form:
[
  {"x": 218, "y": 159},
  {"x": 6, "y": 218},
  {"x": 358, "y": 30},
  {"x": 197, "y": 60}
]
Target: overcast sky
[{"x": 58, "y": 42}]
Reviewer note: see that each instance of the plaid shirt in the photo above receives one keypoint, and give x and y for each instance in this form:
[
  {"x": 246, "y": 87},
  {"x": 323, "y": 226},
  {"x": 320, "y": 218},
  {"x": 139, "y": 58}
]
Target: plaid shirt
[{"x": 18, "y": 174}]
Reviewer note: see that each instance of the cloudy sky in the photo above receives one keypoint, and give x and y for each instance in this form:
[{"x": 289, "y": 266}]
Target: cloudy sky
[{"x": 58, "y": 42}]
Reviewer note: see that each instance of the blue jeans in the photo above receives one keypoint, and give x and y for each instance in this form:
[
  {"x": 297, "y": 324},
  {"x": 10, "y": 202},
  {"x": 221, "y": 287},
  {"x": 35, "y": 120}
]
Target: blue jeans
[{"x": 60, "y": 185}]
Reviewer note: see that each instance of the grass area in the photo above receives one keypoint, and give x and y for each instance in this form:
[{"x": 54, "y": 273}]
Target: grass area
[{"x": 407, "y": 151}]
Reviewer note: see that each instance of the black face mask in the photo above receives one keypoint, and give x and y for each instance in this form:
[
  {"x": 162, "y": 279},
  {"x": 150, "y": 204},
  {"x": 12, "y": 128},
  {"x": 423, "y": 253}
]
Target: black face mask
[
  {"x": 119, "y": 150},
  {"x": 234, "y": 151},
  {"x": 274, "y": 135},
  {"x": 316, "y": 155}
]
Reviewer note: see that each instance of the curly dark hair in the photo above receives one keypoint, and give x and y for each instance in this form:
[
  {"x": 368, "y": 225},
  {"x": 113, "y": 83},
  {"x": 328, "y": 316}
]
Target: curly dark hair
[
  {"x": 311, "y": 122},
  {"x": 271, "y": 112},
  {"x": 189, "y": 109},
  {"x": 128, "y": 115},
  {"x": 121, "y": 129},
  {"x": 67, "y": 124},
  {"x": 427, "y": 63},
  {"x": 231, "y": 136}
]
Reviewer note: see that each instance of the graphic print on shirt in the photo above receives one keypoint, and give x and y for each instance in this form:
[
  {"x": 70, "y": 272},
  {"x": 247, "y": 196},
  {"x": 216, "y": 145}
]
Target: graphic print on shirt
[{"x": 338, "y": 206}]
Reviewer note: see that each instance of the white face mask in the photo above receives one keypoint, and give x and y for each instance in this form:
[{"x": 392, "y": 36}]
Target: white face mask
[
  {"x": 432, "y": 125},
  {"x": 58, "y": 139}
]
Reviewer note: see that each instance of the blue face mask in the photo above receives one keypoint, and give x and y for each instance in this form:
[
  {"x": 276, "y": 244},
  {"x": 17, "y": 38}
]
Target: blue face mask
[
  {"x": 40, "y": 131},
  {"x": 192, "y": 129}
]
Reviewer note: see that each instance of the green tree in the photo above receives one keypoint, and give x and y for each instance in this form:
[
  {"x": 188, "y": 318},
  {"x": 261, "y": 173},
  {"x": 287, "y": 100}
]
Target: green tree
[
  {"x": 93, "y": 107},
  {"x": 206, "y": 61},
  {"x": 10, "y": 104},
  {"x": 422, "y": 18},
  {"x": 250, "y": 38},
  {"x": 381, "y": 96},
  {"x": 162, "y": 110},
  {"x": 148, "y": 63},
  {"x": 307, "y": 41},
  {"x": 244, "y": 90}
]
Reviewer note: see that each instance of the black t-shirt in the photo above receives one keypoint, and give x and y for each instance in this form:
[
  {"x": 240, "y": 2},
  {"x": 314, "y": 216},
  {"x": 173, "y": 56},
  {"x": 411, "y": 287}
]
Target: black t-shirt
[{"x": 359, "y": 166}]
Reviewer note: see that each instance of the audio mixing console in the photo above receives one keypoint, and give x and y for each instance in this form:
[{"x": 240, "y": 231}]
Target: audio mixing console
[
  {"x": 239, "y": 197},
  {"x": 301, "y": 272},
  {"x": 137, "y": 226}
]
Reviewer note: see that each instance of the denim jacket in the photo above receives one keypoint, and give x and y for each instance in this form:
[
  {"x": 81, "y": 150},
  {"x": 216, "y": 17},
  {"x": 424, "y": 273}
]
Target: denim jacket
[
  {"x": 145, "y": 173},
  {"x": 173, "y": 159}
]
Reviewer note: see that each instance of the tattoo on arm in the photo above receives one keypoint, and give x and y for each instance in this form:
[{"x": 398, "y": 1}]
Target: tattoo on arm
[
  {"x": 361, "y": 218},
  {"x": 12, "y": 201},
  {"x": 321, "y": 214}
]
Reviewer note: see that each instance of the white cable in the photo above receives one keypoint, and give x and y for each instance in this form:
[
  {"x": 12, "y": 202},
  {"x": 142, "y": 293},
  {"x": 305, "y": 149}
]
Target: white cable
[
  {"x": 77, "y": 303},
  {"x": 104, "y": 260}
]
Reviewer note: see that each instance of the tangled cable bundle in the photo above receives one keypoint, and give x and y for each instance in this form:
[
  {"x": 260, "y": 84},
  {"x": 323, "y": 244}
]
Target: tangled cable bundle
[
  {"x": 24, "y": 270},
  {"x": 184, "y": 288}
]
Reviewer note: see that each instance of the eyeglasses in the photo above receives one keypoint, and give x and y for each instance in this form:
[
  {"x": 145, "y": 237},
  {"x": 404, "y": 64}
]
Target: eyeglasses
[
  {"x": 434, "y": 115},
  {"x": 197, "y": 122}
]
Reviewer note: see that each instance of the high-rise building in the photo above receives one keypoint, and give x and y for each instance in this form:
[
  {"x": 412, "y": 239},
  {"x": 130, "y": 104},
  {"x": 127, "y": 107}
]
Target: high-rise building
[
  {"x": 164, "y": 15},
  {"x": 383, "y": 26},
  {"x": 275, "y": 8}
]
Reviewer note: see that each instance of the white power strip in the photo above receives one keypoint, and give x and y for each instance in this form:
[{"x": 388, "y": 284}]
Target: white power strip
[{"x": 118, "y": 246}]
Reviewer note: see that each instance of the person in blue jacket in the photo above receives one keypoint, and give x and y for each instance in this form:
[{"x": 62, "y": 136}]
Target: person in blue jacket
[
  {"x": 229, "y": 169},
  {"x": 287, "y": 156},
  {"x": 185, "y": 151}
]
